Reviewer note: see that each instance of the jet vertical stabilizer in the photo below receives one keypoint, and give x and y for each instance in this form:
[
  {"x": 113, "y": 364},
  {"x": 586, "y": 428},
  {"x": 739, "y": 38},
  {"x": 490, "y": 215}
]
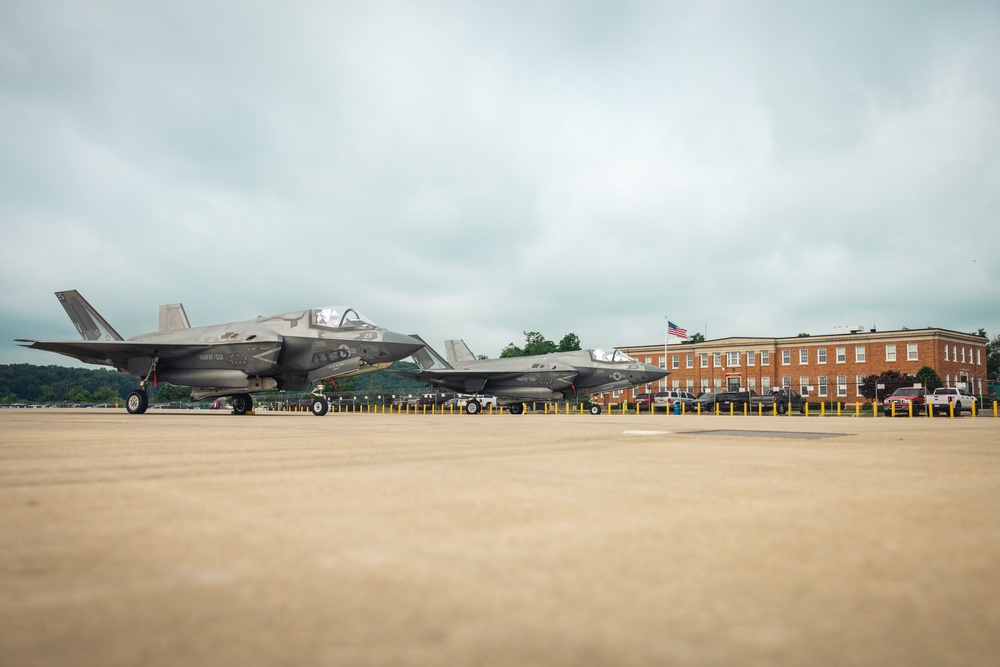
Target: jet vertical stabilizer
[
  {"x": 458, "y": 352},
  {"x": 427, "y": 358},
  {"x": 173, "y": 317},
  {"x": 87, "y": 321}
]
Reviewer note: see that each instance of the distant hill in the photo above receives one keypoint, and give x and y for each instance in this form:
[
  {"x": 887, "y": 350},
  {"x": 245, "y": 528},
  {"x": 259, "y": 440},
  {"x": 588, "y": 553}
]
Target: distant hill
[{"x": 27, "y": 383}]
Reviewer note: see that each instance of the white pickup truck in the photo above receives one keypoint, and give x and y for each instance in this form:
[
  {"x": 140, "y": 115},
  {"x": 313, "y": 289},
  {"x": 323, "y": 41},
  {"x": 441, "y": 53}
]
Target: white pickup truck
[{"x": 944, "y": 397}]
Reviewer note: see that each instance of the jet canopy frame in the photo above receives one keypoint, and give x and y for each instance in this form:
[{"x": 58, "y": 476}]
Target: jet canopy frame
[
  {"x": 610, "y": 354},
  {"x": 339, "y": 317}
]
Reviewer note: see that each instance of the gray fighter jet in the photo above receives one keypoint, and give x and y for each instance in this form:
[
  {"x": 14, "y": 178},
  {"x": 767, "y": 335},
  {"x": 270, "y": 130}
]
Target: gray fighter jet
[
  {"x": 542, "y": 377},
  {"x": 279, "y": 352}
]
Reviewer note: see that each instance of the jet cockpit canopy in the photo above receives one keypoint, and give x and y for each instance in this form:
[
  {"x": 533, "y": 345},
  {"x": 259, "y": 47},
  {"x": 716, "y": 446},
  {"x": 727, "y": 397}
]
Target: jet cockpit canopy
[
  {"x": 610, "y": 354},
  {"x": 336, "y": 317}
]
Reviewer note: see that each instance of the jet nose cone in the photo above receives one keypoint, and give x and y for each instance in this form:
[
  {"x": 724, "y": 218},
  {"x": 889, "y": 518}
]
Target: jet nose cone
[
  {"x": 654, "y": 373},
  {"x": 396, "y": 346}
]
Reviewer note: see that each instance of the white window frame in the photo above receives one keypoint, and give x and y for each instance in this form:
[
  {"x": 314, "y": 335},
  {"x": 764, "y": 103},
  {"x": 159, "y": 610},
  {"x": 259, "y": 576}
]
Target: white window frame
[
  {"x": 841, "y": 355},
  {"x": 821, "y": 355},
  {"x": 823, "y": 387},
  {"x": 704, "y": 359},
  {"x": 911, "y": 351},
  {"x": 890, "y": 352},
  {"x": 751, "y": 358},
  {"x": 675, "y": 361},
  {"x": 804, "y": 357},
  {"x": 690, "y": 359},
  {"x": 716, "y": 360},
  {"x": 859, "y": 354},
  {"x": 765, "y": 357},
  {"x": 732, "y": 359},
  {"x": 786, "y": 357},
  {"x": 841, "y": 385}
]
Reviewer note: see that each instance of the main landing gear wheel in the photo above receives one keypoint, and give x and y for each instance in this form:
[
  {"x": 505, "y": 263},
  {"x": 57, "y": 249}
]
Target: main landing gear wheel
[
  {"x": 242, "y": 404},
  {"x": 473, "y": 407},
  {"x": 515, "y": 408},
  {"x": 595, "y": 409},
  {"x": 319, "y": 406},
  {"x": 137, "y": 402}
]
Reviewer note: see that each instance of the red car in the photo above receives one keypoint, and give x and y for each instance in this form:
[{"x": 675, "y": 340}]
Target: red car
[{"x": 903, "y": 399}]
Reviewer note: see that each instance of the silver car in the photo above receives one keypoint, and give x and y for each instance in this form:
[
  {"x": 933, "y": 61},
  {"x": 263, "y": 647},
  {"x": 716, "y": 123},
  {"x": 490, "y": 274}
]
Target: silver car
[{"x": 665, "y": 400}]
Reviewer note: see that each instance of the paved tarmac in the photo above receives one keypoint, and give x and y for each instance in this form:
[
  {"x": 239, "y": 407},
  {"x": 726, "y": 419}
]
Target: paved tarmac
[{"x": 200, "y": 538}]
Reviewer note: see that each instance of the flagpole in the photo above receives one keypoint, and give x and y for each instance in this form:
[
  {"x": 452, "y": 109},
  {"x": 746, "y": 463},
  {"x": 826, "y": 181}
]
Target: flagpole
[{"x": 665, "y": 334}]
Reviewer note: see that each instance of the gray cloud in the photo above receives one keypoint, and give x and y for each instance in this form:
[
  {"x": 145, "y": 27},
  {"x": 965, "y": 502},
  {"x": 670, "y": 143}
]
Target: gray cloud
[{"x": 475, "y": 171}]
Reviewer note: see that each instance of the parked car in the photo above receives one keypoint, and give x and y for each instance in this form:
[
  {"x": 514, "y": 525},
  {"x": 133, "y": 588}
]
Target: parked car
[
  {"x": 737, "y": 399},
  {"x": 643, "y": 401},
  {"x": 345, "y": 404},
  {"x": 665, "y": 400},
  {"x": 903, "y": 398},
  {"x": 780, "y": 401},
  {"x": 943, "y": 398},
  {"x": 705, "y": 402}
]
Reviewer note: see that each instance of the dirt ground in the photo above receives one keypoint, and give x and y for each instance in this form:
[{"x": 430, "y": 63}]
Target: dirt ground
[{"x": 202, "y": 538}]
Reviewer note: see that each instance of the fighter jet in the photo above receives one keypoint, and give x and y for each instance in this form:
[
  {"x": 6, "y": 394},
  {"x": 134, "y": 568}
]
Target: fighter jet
[
  {"x": 542, "y": 377},
  {"x": 285, "y": 352}
]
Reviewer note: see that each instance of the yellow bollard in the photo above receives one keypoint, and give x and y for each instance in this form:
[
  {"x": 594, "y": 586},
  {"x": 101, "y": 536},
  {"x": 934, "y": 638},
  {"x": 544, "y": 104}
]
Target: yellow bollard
[
  {"x": 951, "y": 409},
  {"x": 760, "y": 409},
  {"x": 822, "y": 409},
  {"x": 731, "y": 409},
  {"x": 790, "y": 407}
]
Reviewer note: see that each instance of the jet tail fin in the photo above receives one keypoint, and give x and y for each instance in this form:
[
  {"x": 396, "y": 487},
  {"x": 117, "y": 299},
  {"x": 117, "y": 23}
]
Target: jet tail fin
[
  {"x": 88, "y": 321},
  {"x": 458, "y": 352},
  {"x": 427, "y": 358},
  {"x": 173, "y": 317}
]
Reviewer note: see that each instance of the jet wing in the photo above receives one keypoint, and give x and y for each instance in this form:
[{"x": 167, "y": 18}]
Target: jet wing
[
  {"x": 468, "y": 382},
  {"x": 112, "y": 353}
]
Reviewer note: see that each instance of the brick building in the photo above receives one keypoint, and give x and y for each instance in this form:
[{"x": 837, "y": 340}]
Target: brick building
[{"x": 825, "y": 367}]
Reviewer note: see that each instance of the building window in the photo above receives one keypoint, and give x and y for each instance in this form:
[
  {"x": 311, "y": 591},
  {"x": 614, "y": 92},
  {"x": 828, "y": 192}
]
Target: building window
[
  {"x": 946, "y": 352},
  {"x": 752, "y": 384},
  {"x": 704, "y": 359},
  {"x": 786, "y": 357},
  {"x": 841, "y": 385},
  {"x": 717, "y": 383},
  {"x": 841, "y": 355},
  {"x": 821, "y": 355},
  {"x": 911, "y": 351},
  {"x": 822, "y": 385},
  {"x": 765, "y": 385},
  {"x": 890, "y": 353},
  {"x": 804, "y": 385},
  {"x": 954, "y": 353},
  {"x": 717, "y": 360},
  {"x": 675, "y": 361},
  {"x": 803, "y": 357},
  {"x": 751, "y": 358},
  {"x": 689, "y": 386},
  {"x": 858, "y": 381},
  {"x": 732, "y": 359},
  {"x": 765, "y": 358},
  {"x": 786, "y": 382},
  {"x": 963, "y": 355},
  {"x": 979, "y": 358},
  {"x": 859, "y": 354},
  {"x": 690, "y": 360},
  {"x": 704, "y": 385}
]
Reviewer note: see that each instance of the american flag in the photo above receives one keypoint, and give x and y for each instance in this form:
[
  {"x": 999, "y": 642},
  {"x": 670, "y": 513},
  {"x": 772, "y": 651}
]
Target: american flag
[{"x": 675, "y": 330}]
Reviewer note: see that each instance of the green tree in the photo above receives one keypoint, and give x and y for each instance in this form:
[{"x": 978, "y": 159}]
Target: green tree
[
  {"x": 993, "y": 359},
  {"x": 569, "y": 343},
  {"x": 698, "y": 338},
  {"x": 77, "y": 395},
  {"x": 536, "y": 343},
  {"x": 892, "y": 380},
  {"x": 166, "y": 393},
  {"x": 929, "y": 378}
]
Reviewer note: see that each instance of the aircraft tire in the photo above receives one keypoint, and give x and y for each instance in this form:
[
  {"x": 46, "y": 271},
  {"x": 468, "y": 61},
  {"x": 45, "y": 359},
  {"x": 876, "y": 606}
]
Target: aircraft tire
[
  {"x": 595, "y": 409},
  {"x": 242, "y": 404},
  {"x": 515, "y": 408},
  {"x": 473, "y": 407},
  {"x": 137, "y": 402},
  {"x": 319, "y": 406}
]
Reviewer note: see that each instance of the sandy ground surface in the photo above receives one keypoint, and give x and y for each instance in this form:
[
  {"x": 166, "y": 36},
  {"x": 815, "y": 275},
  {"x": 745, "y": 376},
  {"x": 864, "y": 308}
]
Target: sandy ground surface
[{"x": 353, "y": 539}]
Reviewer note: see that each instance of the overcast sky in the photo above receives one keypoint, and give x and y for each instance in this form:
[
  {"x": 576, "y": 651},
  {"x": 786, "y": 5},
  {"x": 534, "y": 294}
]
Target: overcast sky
[{"x": 479, "y": 169}]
